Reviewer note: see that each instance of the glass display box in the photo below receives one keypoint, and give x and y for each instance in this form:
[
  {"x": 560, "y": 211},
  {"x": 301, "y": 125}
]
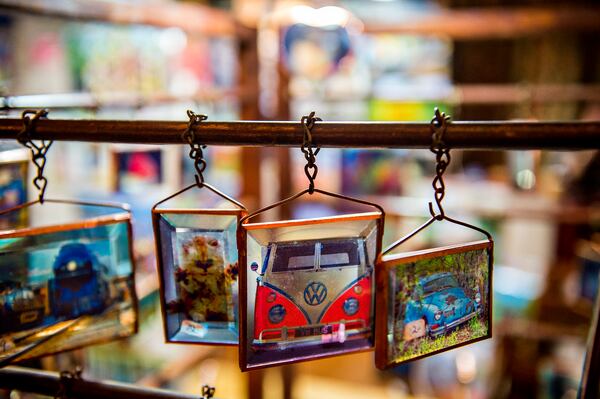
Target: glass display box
[
  {"x": 432, "y": 300},
  {"x": 14, "y": 165},
  {"x": 198, "y": 270},
  {"x": 67, "y": 285},
  {"x": 307, "y": 288}
]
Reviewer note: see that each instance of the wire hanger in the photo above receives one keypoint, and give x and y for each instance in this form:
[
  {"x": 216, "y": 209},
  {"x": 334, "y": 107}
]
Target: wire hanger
[
  {"x": 38, "y": 157},
  {"x": 197, "y": 155},
  {"x": 439, "y": 124},
  {"x": 310, "y": 150}
]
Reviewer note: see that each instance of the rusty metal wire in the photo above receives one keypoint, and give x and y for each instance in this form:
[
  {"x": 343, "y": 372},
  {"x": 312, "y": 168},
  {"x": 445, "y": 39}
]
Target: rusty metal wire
[
  {"x": 207, "y": 392},
  {"x": 38, "y": 152},
  {"x": 189, "y": 136},
  {"x": 439, "y": 124},
  {"x": 65, "y": 382},
  {"x": 310, "y": 150}
]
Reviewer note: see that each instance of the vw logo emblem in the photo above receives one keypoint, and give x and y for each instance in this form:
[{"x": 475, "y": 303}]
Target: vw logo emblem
[{"x": 315, "y": 293}]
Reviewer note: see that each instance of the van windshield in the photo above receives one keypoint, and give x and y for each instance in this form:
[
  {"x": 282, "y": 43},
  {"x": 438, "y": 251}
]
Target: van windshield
[
  {"x": 338, "y": 253},
  {"x": 294, "y": 256}
]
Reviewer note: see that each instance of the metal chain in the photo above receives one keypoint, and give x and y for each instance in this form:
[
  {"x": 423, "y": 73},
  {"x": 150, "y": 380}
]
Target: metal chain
[
  {"x": 207, "y": 392},
  {"x": 38, "y": 152},
  {"x": 310, "y": 150},
  {"x": 196, "y": 148},
  {"x": 439, "y": 124},
  {"x": 65, "y": 382}
]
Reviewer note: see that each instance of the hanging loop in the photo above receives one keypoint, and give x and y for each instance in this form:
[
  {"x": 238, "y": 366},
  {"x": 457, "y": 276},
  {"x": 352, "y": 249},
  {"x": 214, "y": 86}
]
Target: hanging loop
[
  {"x": 439, "y": 124},
  {"x": 207, "y": 392},
  {"x": 38, "y": 151},
  {"x": 310, "y": 150},
  {"x": 189, "y": 136},
  {"x": 65, "y": 382}
]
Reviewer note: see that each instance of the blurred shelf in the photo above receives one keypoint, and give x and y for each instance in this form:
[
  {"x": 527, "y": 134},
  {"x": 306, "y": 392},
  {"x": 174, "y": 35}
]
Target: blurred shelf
[
  {"x": 112, "y": 100},
  {"x": 494, "y": 23},
  {"x": 191, "y": 17},
  {"x": 537, "y": 330},
  {"x": 512, "y": 205}
]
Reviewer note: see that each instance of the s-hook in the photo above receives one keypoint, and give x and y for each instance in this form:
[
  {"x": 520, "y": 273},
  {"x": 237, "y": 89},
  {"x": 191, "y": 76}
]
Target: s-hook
[
  {"x": 207, "y": 392},
  {"x": 310, "y": 150},
  {"x": 65, "y": 382},
  {"x": 438, "y": 125},
  {"x": 189, "y": 136},
  {"x": 38, "y": 152}
]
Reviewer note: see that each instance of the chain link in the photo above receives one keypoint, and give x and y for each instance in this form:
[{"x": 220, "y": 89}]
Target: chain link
[
  {"x": 439, "y": 123},
  {"x": 65, "y": 382},
  {"x": 207, "y": 392},
  {"x": 189, "y": 136},
  {"x": 310, "y": 150},
  {"x": 38, "y": 152}
]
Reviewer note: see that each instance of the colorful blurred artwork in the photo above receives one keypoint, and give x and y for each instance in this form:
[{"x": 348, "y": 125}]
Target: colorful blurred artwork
[
  {"x": 315, "y": 52},
  {"x": 371, "y": 172},
  {"x": 433, "y": 300},
  {"x": 137, "y": 170},
  {"x": 13, "y": 186},
  {"x": 65, "y": 286}
]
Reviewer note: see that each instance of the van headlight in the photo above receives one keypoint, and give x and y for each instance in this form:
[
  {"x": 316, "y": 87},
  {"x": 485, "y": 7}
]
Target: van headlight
[
  {"x": 478, "y": 297},
  {"x": 276, "y": 314},
  {"x": 437, "y": 315},
  {"x": 351, "y": 306}
]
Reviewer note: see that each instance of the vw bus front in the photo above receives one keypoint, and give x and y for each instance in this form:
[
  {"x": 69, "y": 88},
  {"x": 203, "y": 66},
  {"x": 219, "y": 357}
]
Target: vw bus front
[{"x": 312, "y": 291}]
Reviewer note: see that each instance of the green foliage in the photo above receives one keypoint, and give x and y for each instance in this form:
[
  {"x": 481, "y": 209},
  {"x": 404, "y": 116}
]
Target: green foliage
[{"x": 475, "y": 328}]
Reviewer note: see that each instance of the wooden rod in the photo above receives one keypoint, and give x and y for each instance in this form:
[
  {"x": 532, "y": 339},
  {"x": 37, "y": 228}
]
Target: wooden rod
[
  {"x": 191, "y": 17},
  {"x": 494, "y": 23},
  {"x": 48, "y": 383},
  {"x": 463, "y": 135}
]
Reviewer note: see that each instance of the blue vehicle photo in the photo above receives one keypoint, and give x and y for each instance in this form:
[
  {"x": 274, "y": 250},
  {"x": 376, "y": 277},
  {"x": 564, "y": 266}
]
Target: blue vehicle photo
[
  {"x": 79, "y": 286},
  {"x": 439, "y": 304}
]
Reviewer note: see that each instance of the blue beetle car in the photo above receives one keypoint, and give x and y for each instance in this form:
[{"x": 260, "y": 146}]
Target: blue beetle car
[{"x": 438, "y": 304}]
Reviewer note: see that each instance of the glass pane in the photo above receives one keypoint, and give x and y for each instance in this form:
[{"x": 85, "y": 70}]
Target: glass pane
[
  {"x": 199, "y": 269},
  {"x": 312, "y": 297},
  {"x": 294, "y": 256},
  {"x": 436, "y": 301},
  {"x": 65, "y": 289},
  {"x": 340, "y": 253}
]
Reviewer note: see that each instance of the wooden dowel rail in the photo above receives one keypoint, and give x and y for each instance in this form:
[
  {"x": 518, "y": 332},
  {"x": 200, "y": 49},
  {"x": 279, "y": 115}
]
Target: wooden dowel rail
[
  {"x": 48, "y": 383},
  {"x": 461, "y": 135}
]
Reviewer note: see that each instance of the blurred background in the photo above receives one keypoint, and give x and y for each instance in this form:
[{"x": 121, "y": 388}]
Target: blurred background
[{"x": 386, "y": 60}]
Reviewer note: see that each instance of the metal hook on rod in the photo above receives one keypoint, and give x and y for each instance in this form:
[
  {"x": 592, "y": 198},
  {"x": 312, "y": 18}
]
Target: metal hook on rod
[
  {"x": 38, "y": 152},
  {"x": 189, "y": 135},
  {"x": 439, "y": 124},
  {"x": 310, "y": 150},
  {"x": 65, "y": 382}
]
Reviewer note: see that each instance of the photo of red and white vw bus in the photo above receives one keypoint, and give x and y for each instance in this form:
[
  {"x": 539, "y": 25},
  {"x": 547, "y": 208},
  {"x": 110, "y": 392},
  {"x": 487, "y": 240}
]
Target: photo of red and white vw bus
[{"x": 312, "y": 291}]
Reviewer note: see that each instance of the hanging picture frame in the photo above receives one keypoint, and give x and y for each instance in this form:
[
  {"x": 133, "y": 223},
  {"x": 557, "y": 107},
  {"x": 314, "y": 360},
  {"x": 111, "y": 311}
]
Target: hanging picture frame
[
  {"x": 67, "y": 277},
  {"x": 306, "y": 286},
  {"x": 437, "y": 299},
  {"x": 197, "y": 258},
  {"x": 14, "y": 167}
]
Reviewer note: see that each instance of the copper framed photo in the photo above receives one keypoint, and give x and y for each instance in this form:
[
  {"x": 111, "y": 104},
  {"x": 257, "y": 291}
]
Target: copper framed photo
[
  {"x": 198, "y": 269},
  {"x": 135, "y": 169},
  {"x": 65, "y": 286},
  {"x": 307, "y": 288},
  {"x": 14, "y": 165},
  {"x": 432, "y": 300}
]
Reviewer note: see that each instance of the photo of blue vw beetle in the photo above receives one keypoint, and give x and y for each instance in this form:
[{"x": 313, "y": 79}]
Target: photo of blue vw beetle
[{"x": 438, "y": 304}]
